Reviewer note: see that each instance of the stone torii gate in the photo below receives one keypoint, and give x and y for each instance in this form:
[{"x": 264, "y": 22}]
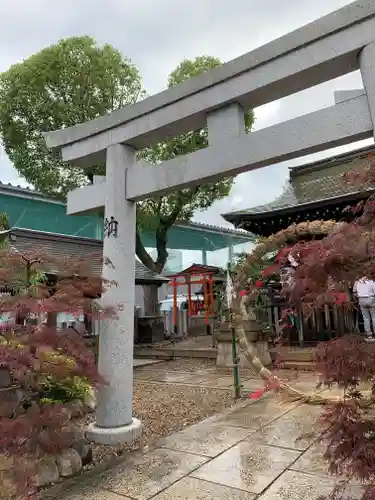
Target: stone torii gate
[{"x": 334, "y": 45}]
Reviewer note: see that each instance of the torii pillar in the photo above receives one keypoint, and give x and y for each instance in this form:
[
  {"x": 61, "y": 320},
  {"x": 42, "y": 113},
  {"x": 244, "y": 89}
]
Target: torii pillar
[{"x": 114, "y": 421}]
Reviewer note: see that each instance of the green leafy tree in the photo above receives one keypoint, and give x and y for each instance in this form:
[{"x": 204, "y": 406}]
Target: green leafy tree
[
  {"x": 4, "y": 226},
  {"x": 63, "y": 85},
  {"x": 75, "y": 81},
  {"x": 254, "y": 271},
  {"x": 161, "y": 213}
]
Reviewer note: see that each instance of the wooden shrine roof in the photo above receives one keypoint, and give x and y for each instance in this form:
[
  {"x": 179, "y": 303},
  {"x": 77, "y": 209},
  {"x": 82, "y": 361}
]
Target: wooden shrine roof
[
  {"x": 58, "y": 246},
  {"x": 199, "y": 269},
  {"x": 313, "y": 191}
]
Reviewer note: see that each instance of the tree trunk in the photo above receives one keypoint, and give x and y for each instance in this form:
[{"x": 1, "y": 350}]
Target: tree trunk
[
  {"x": 51, "y": 320},
  {"x": 151, "y": 301},
  {"x": 142, "y": 253}
]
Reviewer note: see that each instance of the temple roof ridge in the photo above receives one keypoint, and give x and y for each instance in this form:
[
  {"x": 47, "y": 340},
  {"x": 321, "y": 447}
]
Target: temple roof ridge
[{"x": 311, "y": 190}]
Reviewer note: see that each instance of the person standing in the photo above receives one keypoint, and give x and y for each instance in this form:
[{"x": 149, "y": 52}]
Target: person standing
[{"x": 364, "y": 289}]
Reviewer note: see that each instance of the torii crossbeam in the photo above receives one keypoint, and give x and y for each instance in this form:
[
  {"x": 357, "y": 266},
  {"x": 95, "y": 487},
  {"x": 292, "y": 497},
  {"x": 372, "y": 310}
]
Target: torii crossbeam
[{"x": 334, "y": 45}]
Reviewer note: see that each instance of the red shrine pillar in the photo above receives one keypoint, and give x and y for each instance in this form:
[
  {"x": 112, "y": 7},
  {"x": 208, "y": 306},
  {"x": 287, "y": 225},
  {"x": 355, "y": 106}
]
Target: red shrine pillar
[
  {"x": 206, "y": 305},
  {"x": 174, "y": 284}
]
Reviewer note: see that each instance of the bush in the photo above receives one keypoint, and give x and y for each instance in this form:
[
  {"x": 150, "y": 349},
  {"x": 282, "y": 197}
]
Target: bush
[
  {"x": 348, "y": 426},
  {"x": 65, "y": 390},
  {"x": 49, "y": 367},
  {"x": 330, "y": 257},
  {"x": 327, "y": 269}
]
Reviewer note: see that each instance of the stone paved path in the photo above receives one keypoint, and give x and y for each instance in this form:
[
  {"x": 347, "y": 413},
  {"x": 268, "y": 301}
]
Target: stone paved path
[{"x": 252, "y": 451}]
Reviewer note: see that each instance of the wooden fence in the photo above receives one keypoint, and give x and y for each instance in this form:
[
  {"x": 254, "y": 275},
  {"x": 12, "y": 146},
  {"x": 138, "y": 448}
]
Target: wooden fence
[{"x": 322, "y": 324}]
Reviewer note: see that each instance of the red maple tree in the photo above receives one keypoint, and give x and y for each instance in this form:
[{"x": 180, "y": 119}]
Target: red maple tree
[
  {"x": 33, "y": 286},
  {"x": 326, "y": 272}
]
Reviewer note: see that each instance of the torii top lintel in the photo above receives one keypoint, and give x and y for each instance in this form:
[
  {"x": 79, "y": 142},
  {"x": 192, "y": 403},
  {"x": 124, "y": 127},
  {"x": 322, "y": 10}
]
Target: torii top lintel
[
  {"x": 291, "y": 63},
  {"x": 320, "y": 51}
]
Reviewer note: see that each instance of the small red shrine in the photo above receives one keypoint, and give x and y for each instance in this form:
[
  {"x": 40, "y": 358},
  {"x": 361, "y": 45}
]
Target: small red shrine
[{"x": 197, "y": 274}]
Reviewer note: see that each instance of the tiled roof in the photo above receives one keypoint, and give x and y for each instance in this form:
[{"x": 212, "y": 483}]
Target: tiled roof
[
  {"x": 287, "y": 199},
  {"x": 311, "y": 191},
  {"x": 340, "y": 159},
  {"x": 18, "y": 187},
  {"x": 27, "y": 241},
  {"x": 144, "y": 274},
  {"x": 26, "y": 192},
  {"x": 298, "y": 192},
  {"x": 215, "y": 229}
]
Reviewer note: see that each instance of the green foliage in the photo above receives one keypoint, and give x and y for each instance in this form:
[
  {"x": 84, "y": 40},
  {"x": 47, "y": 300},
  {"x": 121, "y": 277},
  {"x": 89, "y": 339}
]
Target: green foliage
[
  {"x": 65, "y": 390},
  {"x": 53, "y": 389},
  {"x": 62, "y": 85},
  {"x": 4, "y": 223},
  {"x": 4, "y": 226},
  {"x": 182, "y": 204},
  {"x": 239, "y": 260},
  {"x": 161, "y": 213},
  {"x": 254, "y": 269},
  {"x": 72, "y": 82}
]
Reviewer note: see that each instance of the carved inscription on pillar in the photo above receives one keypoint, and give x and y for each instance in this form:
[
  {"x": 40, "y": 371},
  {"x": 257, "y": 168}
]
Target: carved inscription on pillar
[{"x": 110, "y": 227}]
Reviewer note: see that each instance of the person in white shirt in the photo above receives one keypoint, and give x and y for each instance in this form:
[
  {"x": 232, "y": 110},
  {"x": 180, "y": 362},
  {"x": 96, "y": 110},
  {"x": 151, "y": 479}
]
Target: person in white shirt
[{"x": 364, "y": 289}]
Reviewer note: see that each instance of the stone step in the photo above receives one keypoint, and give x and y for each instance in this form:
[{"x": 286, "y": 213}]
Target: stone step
[
  {"x": 174, "y": 352},
  {"x": 298, "y": 365},
  {"x": 295, "y": 355}
]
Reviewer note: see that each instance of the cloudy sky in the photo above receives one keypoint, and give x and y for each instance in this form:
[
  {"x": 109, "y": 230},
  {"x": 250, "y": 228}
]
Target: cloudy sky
[{"x": 157, "y": 35}]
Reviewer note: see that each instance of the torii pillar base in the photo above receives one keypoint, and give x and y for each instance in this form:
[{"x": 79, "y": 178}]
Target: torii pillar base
[{"x": 114, "y": 436}]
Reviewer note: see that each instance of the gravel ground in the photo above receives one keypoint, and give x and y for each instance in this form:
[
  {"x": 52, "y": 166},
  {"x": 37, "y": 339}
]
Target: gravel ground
[{"x": 165, "y": 409}]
